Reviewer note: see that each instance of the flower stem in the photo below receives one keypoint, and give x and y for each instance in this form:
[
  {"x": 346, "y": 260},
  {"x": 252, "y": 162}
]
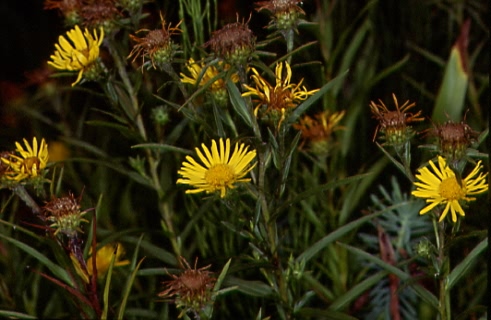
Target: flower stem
[{"x": 21, "y": 192}]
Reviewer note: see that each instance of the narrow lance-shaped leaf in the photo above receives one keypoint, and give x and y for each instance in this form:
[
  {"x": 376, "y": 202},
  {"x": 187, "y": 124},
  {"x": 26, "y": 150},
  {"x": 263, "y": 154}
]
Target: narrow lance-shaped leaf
[
  {"x": 450, "y": 100},
  {"x": 462, "y": 268}
]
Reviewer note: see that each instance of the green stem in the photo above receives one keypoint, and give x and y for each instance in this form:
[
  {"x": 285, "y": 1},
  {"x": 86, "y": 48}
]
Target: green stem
[
  {"x": 21, "y": 192},
  {"x": 444, "y": 295},
  {"x": 152, "y": 162}
]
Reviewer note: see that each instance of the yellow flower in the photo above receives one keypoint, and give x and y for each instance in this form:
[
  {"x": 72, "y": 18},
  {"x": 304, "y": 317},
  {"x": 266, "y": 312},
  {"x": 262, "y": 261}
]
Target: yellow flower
[
  {"x": 104, "y": 257},
  {"x": 80, "y": 54},
  {"x": 30, "y": 163},
  {"x": 442, "y": 187},
  {"x": 221, "y": 171},
  {"x": 318, "y": 131},
  {"x": 211, "y": 71},
  {"x": 283, "y": 96}
]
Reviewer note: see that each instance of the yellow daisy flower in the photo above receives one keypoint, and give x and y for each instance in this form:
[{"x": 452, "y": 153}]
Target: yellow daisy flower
[
  {"x": 283, "y": 96},
  {"x": 80, "y": 54},
  {"x": 30, "y": 163},
  {"x": 196, "y": 69},
  {"x": 104, "y": 257},
  {"x": 442, "y": 187},
  {"x": 220, "y": 171}
]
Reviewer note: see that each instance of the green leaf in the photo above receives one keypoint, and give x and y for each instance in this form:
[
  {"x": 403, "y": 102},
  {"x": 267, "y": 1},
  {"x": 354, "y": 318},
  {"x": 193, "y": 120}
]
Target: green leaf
[
  {"x": 15, "y": 315},
  {"x": 127, "y": 290},
  {"x": 107, "y": 287},
  {"x": 345, "y": 299},
  {"x": 340, "y": 232},
  {"x": 252, "y": 288},
  {"x": 451, "y": 96},
  {"x": 162, "y": 147},
  {"x": 58, "y": 271},
  {"x": 239, "y": 104},
  {"x": 420, "y": 291},
  {"x": 298, "y": 111},
  {"x": 462, "y": 268},
  {"x": 313, "y": 313}
]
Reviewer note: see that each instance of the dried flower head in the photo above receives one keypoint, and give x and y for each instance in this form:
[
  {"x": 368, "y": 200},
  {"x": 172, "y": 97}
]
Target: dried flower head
[
  {"x": 191, "y": 290},
  {"x": 156, "y": 44},
  {"x": 442, "y": 187},
  {"x": 97, "y": 14},
  {"x": 69, "y": 8},
  {"x": 65, "y": 215},
  {"x": 285, "y": 13},
  {"x": 234, "y": 43},
  {"x": 317, "y": 132},
  {"x": 279, "y": 100},
  {"x": 394, "y": 124},
  {"x": 454, "y": 139},
  {"x": 30, "y": 163},
  {"x": 81, "y": 54}
]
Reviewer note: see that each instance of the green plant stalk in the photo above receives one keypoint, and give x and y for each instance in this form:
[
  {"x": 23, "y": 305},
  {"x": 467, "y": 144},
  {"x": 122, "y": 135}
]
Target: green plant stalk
[
  {"x": 21, "y": 192},
  {"x": 152, "y": 162},
  {"x": 444, "y": 294}
]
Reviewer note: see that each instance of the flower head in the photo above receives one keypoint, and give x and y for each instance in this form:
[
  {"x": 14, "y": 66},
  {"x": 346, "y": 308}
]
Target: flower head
[
  {"x": 234, "y": 43},
  {"x": 203, "y": 75},
  {"x": 65, "y": 214},
  {"x": 103, "y": 259},
  {"x": 318, "y": 131},
  {"x": 69, "y": 8},
  {"x": 79, "y": 55},
  {"x": 442, "y": 187},
  {"x": 192, "y": 289},
  {"x": 156, "y": 44},
  {"x": 220, "y": 171},
  {"x": 29, "y": 163},
  {"x": 100, "y": 14},
  {"x": 281, "y": 98},
  {"x": 394, "y": 124},
  {"x": 454, "y": 139},
  {"x": 286, "y": 13}
]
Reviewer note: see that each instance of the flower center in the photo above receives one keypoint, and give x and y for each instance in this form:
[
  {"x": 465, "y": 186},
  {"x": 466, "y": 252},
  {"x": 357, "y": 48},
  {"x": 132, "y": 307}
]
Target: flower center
[
  {"x": 219, "y": 175},
  {"x": 451, "y": 190},
  {"x": 30, "y": 162}
]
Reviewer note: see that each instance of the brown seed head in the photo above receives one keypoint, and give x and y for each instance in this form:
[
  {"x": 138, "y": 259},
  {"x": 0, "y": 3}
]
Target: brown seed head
[
  {"x": 96, "y": 13},
  {"x": 454, "y": 139},
  {"x": 285, "y": 12},
  {"x": 65, "y": 214},
  {"x": 191, "y": 289},
  {"x": 234, "y": 43},
  {"x": 156, "y": 44},
  {"x": 394, "y": 124}
]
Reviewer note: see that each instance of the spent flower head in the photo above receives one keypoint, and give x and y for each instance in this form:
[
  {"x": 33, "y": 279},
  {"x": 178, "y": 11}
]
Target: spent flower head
[
  {"x": 454, "y": 139},
  {"x": 202, "y": 75},
  {"x": 191, "y": 290},
  {"x": 276, "y": 102},
  {"x": 233, "y": 43},
  {"x": 221, "y": 170},
  {"x": 69, "y": 8},
  {"x": 317, "y": 131},
  {"x": 26, "y": 163},
  {"x": 286, "y": 13},
  {"x": 65, "y": 215},
  {"x": 156, "y": 45},
  {"x": 100, "y": 14},
  {"x": 394, "y": 124},
  {"x": 80, "y": 54},
  {"x": 441, "y": 187}
]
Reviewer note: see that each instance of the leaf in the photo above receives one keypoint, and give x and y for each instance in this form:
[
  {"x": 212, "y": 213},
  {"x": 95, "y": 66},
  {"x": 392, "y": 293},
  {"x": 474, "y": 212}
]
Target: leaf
[
  {"x": 58, "y": 271},
  {"x": 346, "y": 298},
  {"x": 127, "y": 289},
  {"x": 420, "y": 291},
  {"x": 15, "y": 315},
  {"x": 449, "y": 102},
  {"x": 298, "y": 111},
  {"x": 338, "y": 233},
  {"x": 252, "y": 288},
  {"x": 163, "y": 147},
  {"x": 239, "y": 104},
  {"x": 463, "y": 267},
  {"x": 108, "y": 285}
]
